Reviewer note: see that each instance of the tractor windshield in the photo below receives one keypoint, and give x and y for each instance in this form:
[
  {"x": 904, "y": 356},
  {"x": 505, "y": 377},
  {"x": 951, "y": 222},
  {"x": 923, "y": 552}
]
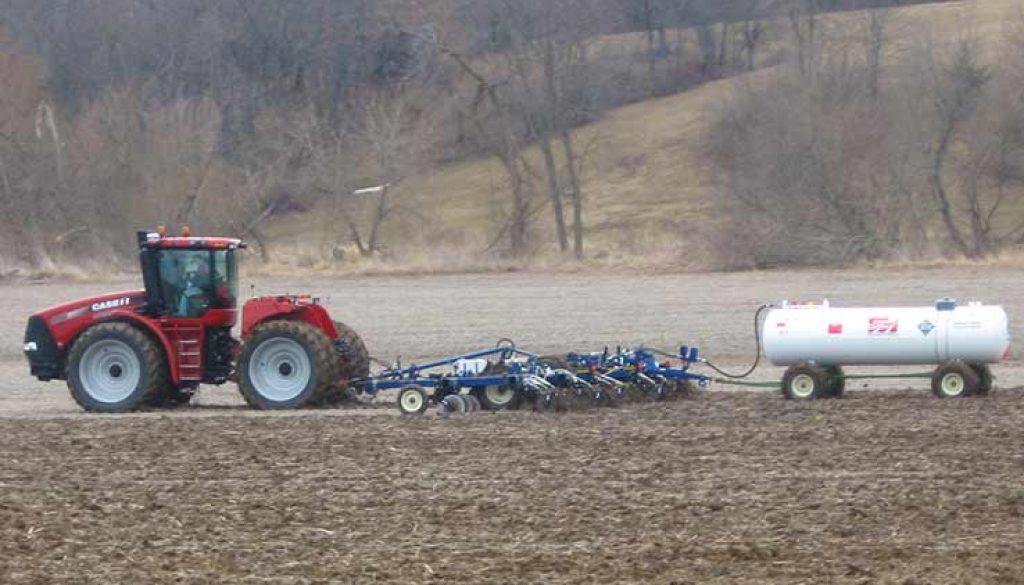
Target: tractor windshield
[{"x": 192, "y": 281}]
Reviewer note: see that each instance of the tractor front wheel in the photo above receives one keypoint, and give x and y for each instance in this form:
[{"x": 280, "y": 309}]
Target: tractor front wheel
[
  {"x": 114, "y": 367},
  {"x": 286, "y": 364}
]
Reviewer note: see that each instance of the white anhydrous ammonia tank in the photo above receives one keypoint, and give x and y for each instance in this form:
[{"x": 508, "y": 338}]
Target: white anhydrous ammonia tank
[{"x": 974, "y": 333}]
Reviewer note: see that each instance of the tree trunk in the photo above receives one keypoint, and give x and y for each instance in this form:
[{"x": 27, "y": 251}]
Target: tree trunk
[
  {"x": 261, "y": 241},
  {"x": 577, "y": 194},
  {"x": 723, "y": 47},
  {"x": 556, "y": 195},
  {"x": 939, "y": 190}
]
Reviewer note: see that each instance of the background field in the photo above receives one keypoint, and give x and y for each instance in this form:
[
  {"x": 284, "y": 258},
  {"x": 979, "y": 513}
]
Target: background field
[{"x": 885, "y": 486}]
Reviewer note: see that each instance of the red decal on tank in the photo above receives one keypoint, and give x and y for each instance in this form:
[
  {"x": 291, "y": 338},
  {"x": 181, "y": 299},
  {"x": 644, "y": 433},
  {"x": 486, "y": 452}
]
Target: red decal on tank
[
  {"x": 883, "y": 326},
  {"x": 835, "y": 329}
]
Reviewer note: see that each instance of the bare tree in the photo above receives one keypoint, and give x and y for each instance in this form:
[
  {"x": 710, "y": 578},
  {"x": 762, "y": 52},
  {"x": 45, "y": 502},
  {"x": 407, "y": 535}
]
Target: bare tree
[
  {"x": 803, "y": 21},
  {"x": 875, "y": 36},
  {"x": 958, "y": 88}
]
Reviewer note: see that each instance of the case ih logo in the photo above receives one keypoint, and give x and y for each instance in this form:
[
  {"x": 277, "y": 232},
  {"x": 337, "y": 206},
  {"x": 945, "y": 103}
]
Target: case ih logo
[
  {"x": 111, "y": 304},
  {"x": 883, "y": 326}
]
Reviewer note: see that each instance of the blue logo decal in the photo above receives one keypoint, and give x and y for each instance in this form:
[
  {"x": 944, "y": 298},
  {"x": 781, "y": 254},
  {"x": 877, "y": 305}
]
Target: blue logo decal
[{"x": 925, "y": 327}]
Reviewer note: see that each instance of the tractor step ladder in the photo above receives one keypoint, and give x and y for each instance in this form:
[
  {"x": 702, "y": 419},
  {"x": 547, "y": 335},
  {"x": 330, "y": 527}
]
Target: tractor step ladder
[{"x": 187, "y": 341}]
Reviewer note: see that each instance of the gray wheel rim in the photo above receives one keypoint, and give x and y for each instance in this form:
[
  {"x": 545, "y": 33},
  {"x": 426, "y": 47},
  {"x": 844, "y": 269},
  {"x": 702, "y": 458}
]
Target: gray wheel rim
[
  {"x": 109, "y": 371},
  {"x": 280, "y": 369},
  {"x": 411, "y": 401},
  {"x": 499, "y": 395},
  {"x": 802, "y": 385},
  {"x": 952, "y": 384}
]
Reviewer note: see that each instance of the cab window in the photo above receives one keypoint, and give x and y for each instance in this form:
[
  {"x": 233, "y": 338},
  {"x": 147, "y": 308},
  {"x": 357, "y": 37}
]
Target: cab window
[{"x": 193, "y": 281}]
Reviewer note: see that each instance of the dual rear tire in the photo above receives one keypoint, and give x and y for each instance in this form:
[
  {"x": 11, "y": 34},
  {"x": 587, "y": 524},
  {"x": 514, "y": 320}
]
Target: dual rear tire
[{"x": 287, "y": 364}]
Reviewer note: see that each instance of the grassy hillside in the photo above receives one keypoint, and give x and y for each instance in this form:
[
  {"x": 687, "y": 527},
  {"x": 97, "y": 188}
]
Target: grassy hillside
[{"x": 647, "y": 188}]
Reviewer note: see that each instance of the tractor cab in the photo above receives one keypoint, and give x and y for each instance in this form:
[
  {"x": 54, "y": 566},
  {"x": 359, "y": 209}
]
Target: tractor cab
[{"x": 186, "y": 276}]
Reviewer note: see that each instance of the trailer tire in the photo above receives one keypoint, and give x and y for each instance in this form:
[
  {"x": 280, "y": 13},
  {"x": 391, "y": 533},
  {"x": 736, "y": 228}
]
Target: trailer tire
[
  {"x": 412, "y": 400},
  {"x": 115, "y": 367},
  {"x": 955, "y": 379},
  {"x": 286, "y": 364},
  {"x": 984, "y": 378},
  {"x": 805, "y": 382},
  {"x": 836, "y": 381}
]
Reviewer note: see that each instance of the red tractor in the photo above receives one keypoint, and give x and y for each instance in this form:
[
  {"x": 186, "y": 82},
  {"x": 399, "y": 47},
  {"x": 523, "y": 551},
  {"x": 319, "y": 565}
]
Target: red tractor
[{"x": 128, "y": 350}]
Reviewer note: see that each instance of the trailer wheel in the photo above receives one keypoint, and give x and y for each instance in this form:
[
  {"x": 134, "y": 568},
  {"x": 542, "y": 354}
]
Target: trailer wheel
[
  {"x": 114, "y": 367},
  {"x": 984, "y": 378},
  {"x": 954, "y": 379},
  {"x": 804, "y": 382},
  {"x": 836, "y": 381},
  {"x": 286, "y": 364},
  {"x": 412, "y": 400}
]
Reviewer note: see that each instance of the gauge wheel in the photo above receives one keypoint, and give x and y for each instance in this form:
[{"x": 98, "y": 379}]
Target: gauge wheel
[
  {"x": 498, "y": 397},
  {"x": 412, "y": 400}
]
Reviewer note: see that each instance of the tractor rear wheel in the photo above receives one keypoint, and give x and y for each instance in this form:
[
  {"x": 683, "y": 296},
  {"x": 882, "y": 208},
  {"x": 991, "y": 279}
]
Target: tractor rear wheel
[
  {"x": 115, "y": 367},
  {"x": 353, "y": 362},
  {"x": 286, "y": 364}
]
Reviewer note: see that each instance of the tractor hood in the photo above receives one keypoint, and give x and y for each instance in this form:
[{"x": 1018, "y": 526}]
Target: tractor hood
[
  {"x": 91, "y": 309},
  {"x": 50, "y": 331}
]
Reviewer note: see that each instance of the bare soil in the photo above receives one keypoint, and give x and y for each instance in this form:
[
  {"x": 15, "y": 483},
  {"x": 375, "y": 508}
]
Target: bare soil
[{"x": 888, "y": 485}]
